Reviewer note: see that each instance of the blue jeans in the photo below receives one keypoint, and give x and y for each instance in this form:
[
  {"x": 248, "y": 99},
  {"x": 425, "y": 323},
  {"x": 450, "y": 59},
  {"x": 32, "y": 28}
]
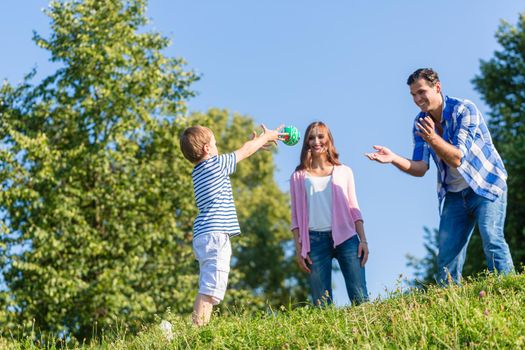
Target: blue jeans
[
  {"x": 461, "y": 211},
  {"x": 322, "y": 252}
]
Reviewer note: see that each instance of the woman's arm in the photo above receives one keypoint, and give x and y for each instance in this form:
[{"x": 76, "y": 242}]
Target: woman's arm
[
  {"x": 298, "y": 247},
  {"x": 362, "y": 251}
]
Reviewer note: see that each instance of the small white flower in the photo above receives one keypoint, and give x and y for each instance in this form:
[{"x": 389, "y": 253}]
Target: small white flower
[{"x": 165, "y": 327}]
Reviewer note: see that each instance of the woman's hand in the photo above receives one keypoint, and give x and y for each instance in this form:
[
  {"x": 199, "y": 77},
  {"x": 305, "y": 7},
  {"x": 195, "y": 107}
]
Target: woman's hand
[
  {"x": 300, "y": 260},
  {"x": 362, "y": 252}
]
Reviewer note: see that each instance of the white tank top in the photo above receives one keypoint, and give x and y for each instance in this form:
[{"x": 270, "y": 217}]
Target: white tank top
[{"x": 319, "y": 198}]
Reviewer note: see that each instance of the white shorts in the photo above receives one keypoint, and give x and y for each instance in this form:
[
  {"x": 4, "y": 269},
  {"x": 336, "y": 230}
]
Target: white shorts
[{"x": 213, "y": 251}]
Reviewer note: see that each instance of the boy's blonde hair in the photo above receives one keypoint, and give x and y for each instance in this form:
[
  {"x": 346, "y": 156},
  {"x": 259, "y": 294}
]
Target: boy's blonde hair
[{"x": 193, "y": 140}]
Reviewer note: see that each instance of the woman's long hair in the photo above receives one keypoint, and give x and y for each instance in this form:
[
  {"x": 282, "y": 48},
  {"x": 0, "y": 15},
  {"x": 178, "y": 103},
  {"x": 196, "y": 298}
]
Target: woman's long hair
[{"x": 306, "y": 156}]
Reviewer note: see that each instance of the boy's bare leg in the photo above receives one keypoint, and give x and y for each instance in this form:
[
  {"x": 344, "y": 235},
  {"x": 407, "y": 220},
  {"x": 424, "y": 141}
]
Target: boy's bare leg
[{"x": 202, "y": 309}]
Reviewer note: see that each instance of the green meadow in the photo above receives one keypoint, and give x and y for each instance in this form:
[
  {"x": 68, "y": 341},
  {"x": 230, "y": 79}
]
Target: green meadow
[{"x": 485, "y": 313}]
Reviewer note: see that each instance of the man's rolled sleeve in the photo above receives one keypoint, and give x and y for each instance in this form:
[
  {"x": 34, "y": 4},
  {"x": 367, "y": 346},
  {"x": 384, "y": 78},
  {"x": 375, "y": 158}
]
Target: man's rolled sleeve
[
  {"x": 468, "y": 122},
  {"x": 421, "y": 151}
]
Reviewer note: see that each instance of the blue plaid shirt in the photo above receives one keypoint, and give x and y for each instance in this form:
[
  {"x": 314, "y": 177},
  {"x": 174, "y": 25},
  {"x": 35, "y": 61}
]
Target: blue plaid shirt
[{"x": 481, "y": 165}]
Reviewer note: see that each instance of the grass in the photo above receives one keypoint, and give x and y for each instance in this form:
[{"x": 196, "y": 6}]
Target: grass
[{"x": 485, "y": 313}]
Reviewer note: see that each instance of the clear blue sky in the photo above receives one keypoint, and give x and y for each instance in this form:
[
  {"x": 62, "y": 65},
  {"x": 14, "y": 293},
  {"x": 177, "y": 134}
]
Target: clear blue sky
[{"x": 342, "y": 62}]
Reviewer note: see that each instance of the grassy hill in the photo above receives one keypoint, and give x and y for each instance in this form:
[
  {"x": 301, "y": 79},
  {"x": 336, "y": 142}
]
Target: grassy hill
[{"x": 485, "y": 313}]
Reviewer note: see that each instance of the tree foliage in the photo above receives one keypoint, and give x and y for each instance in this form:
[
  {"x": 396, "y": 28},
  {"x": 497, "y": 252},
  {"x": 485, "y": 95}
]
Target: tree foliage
[
  {"x": 88, "y": 192},
  {"x": 501, "y": 83},
  {"x": 426, "y": 268},
  {"x": 96, "y": 199}
]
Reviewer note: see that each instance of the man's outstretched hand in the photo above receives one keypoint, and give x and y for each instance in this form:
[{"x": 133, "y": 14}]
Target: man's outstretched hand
[{"x": 381, "y": 155}]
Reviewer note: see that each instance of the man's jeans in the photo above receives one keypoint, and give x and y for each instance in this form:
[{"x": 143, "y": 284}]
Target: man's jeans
[
  {"x": 461, "y": 211},
  {"x": 322, "y": 252}
]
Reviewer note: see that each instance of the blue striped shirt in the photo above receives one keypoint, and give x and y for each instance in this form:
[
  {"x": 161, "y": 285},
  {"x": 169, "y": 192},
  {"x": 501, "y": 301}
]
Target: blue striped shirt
[
  {"x": 481, "y": 165},
  {"x": 214, "y": 197}
]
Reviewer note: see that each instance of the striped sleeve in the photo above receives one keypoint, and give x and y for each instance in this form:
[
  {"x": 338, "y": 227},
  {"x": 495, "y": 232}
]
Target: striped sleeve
[{"x": 227, "y": 163}]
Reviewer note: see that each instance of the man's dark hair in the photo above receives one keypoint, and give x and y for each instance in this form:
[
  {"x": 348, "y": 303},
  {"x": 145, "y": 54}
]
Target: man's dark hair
[{"x": 424, "y": 73}]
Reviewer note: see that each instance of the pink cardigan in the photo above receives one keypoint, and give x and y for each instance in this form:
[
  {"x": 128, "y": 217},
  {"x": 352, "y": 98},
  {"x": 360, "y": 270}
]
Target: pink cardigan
[{"x": 345, "y": 210}]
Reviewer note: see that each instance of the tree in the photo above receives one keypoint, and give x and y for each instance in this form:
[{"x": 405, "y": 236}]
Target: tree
[
  {"x": 501, "y": 83},
  {"x": 89, "y": 159},
  {"x": 96, "y": 200}
]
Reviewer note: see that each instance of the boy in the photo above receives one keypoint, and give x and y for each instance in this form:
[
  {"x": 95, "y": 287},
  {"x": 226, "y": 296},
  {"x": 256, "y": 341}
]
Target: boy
[{"x": 217, "y": 218}]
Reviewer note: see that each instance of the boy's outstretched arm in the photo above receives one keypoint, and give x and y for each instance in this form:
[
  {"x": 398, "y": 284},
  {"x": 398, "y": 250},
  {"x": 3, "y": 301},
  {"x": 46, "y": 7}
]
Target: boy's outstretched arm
[{"x": 258, "y": 141}]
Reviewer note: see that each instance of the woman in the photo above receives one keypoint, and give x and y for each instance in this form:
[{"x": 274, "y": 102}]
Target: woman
[{"x": 326, "y": 219}]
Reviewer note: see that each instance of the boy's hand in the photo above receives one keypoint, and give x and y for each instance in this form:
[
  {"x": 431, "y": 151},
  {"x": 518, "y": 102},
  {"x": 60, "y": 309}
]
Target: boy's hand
[
  {"x": 259, "y": 141},
  {"x": 270, "y": 135},
  {"x": 267, "y": 146},
  {"x": 273, "y": 135}
]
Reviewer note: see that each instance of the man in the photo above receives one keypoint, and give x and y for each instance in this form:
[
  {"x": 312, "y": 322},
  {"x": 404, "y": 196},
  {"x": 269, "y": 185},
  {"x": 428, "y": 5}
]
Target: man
[{"x": 472, "y": 185}]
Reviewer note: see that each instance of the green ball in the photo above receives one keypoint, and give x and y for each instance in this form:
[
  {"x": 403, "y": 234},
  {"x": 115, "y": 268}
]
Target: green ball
[{"x": 292, "y": 135}]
